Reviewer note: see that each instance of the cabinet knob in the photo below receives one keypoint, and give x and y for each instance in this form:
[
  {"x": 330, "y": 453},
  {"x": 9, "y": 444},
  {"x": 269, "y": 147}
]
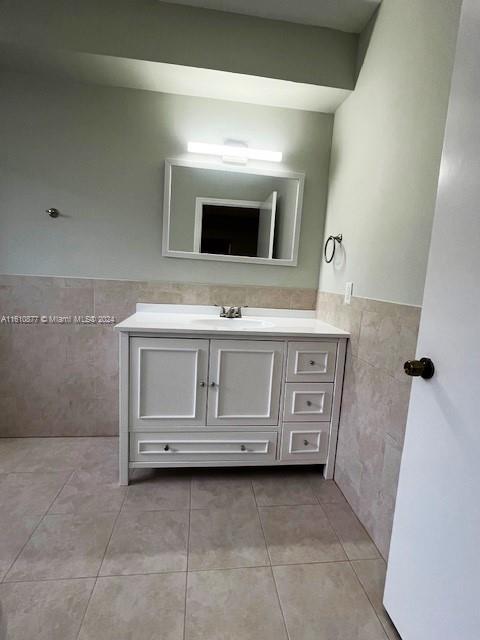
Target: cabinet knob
[
  {"x": 213, "y": 384},
  {"x": 243, "y": 447},
  {"x": 312, "y": 362},
  {"x": 202, "y": 383},
  {"x": 166, "y": 447},
  {"x": 306, "y": 443},
  {"x": 309, "y": 403}
]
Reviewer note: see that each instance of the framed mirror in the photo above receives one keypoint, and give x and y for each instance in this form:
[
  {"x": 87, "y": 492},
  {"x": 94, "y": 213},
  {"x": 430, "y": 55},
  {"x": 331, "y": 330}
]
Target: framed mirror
[{"x": 231, "y": 213}]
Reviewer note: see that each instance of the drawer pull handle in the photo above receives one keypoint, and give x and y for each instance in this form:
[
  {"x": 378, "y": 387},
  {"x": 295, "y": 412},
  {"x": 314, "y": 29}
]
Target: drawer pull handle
[
  {"x": 306, "y": 443},
  {"x": 166, "y": 447},
  {"x": 312, "y": 362},
  {"x": 309, "y": 403},
  {"x": 243, "y": 447}
]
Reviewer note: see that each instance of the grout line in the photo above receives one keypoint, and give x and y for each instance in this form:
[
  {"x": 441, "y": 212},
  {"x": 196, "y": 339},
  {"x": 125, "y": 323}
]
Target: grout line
[
  {"x": 368, "y": 597},
  {"x": 188, "y": 557},
  {"x": 279, "y": 602},
  {"x": 100, "y": 567},
  {"x": 69, "y": 477},
  {"x": 93, "y": 577},
  {"x": 271, "y": 567},
  {"x": 170, "y": 571},
  {"x": 352, "y": 512}
]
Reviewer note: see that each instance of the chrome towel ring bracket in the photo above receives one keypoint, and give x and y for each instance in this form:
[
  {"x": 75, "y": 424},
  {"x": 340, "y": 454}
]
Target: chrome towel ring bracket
[{"x": 333, "y": 240}]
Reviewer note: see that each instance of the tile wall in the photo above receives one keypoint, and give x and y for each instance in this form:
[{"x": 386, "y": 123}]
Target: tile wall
[
  {"x": 375, "y": 404},
  {"x": 62, "y": 379}
]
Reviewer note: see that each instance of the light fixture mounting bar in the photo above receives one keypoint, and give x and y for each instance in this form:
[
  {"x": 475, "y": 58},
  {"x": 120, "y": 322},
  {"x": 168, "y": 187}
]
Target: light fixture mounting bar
[{"x": 233, "y": 151}]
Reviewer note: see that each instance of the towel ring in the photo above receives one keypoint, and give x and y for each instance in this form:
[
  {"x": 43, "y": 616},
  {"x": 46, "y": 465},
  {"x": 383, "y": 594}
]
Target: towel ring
[{"x": 334, "y": 240}]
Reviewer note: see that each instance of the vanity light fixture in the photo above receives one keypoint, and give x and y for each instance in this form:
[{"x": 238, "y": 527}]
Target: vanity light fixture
[{"x": 234, "y": 153}]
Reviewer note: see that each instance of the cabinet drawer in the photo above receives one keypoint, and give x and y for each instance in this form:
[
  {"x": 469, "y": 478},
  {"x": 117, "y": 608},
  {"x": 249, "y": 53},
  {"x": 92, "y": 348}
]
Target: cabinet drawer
[
  {"x": 305, "y": 443},
  {"x": 311, "y": 361},
  {"x": 308, "y": 402},
  {"x": 164, "y": 447}
]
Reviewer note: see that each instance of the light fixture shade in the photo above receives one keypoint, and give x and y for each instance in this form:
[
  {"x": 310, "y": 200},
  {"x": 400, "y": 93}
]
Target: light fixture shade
[{"x": 231, "y": 151}]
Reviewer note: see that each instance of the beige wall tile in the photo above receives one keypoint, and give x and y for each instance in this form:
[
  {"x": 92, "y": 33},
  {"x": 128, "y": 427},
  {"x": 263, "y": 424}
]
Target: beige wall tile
[
  {"x": 375, "y": 404},
  {"x": 63, "y": 380}
]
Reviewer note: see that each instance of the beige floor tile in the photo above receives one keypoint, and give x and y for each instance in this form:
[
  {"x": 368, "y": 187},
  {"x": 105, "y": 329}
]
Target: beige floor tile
[
  {"x": 64, "y": 547},
  {"x": 222, "y": 491},
  {"x": 371, "y": 574},
  {"x": 325, "y": 601},
  {"x": 147, "y": 542},
  {"x": 225, "y": 539},
  {"x": 300, "y": 534},
  {"x": 45, "y": 455},
  {"x": 326, "y": 491},
  {"x": 282, "y": 488},
  {"x": 14, "y": 534},
  {"x": 82, "y": 495},
  {"x": 29, "y": 493},
  {"x": 355, "y": 540},
  {"x": 156, "y": 492},
  {"x": 51, "y": 610},
  {"x": 136, "y": 607},
  {"x": 238, "y": 604}
]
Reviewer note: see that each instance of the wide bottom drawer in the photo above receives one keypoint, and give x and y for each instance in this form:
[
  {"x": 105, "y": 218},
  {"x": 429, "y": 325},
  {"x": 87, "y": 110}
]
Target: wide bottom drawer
[{"x": 164, "y": 447}]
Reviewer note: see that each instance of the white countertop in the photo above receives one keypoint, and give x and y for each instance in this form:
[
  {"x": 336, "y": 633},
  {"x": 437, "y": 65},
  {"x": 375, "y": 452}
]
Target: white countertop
[{"x": 202, "y": 320}]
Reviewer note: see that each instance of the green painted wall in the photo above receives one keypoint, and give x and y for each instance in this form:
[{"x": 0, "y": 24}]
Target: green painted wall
[
  {"x": 97, "y": 154},
  {"x": 386, "y": 149},
  {"x": 161, "y": 32}
]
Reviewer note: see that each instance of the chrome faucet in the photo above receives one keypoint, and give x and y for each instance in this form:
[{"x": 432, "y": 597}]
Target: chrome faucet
[{"x": 230, "y": 312}]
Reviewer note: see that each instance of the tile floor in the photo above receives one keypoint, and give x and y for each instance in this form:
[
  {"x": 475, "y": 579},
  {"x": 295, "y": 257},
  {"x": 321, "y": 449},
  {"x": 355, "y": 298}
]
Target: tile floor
[{"x": 179, "y": 554}]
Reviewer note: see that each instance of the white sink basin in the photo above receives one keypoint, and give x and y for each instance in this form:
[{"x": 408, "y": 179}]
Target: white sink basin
[{"x": 232, "y": 323}]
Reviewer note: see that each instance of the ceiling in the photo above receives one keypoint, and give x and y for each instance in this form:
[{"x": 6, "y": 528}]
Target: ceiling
[{"x": 345, "y": 15}]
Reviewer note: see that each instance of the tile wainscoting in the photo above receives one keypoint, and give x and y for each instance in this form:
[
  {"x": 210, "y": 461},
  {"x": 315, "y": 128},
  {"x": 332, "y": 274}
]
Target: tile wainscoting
[
  {"x": 62, "y": 379},
  {"x": 375, "y": 404}
]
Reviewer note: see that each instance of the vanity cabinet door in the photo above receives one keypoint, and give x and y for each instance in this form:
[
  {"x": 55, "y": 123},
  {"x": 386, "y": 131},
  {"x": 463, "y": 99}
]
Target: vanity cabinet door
[
  {"x": 244, "y": 382},
  {"x": 168, "y": 382}
]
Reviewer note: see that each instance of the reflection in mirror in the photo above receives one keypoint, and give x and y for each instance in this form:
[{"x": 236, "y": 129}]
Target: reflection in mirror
[{"x": 214, "y": 212}]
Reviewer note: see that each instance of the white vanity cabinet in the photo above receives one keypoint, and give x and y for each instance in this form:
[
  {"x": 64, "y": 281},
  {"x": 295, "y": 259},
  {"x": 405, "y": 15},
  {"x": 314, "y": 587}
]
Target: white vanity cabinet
[{"x": 228, "y": 399}]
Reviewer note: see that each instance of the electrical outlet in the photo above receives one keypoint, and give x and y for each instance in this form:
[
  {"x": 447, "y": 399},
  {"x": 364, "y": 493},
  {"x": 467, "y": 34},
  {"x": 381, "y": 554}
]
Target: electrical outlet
[{"x": 348, "y": 293}]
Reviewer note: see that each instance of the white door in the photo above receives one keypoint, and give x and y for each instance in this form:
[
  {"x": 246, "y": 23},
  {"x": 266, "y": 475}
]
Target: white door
[
  {"x": 266, "y": 226},
  {"x": 245, "y": 382},
  {"x": 168, "y": 382},
  {"x": 433, "y": 579}
]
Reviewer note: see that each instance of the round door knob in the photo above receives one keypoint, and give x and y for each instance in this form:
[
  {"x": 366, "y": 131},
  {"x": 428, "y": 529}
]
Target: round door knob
[
  {"x": 309, "y": 403},
  {"x": 422, "y": 368},
  {"x": 243, "y": 448},
  {"x": 312, "y": 362},
  {"x": 166, "y": 447}
]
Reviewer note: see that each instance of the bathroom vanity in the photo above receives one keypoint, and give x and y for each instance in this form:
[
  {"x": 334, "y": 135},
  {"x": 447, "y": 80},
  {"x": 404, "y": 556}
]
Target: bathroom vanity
[{"x": 198, "y": 390}]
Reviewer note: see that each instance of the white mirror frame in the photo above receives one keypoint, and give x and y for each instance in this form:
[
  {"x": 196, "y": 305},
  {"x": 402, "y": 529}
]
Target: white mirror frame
[{"x": 274, "y": 173}]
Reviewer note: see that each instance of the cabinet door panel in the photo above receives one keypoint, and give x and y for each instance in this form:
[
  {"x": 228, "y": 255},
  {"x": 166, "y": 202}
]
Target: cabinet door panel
[
  {"x": 245, "y": 382},
  {"x": 168, "y": 381}
]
